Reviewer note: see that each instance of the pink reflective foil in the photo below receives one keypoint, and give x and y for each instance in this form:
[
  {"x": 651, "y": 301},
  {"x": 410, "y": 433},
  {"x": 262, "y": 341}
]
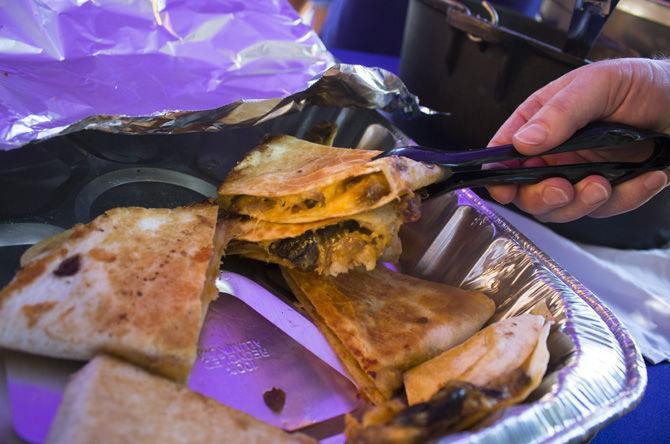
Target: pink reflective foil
[{"x": 65, "y": 60}]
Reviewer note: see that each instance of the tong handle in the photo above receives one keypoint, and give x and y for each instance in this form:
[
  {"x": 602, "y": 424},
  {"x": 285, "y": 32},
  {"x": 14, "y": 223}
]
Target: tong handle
[
  {"x": 614, "y": 172},
  {"x": 595, "y": 135}
]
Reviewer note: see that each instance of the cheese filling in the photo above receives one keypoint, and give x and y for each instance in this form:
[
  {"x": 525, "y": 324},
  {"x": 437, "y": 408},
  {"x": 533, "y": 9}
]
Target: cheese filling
[{"x": 341, "y": 197}]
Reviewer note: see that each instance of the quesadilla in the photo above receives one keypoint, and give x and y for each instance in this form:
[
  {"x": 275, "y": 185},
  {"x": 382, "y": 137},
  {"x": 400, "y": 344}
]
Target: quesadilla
[
  {"x": 289, "y": 180},
  {"x": 134, "y": 282},
  {"x": 115, "y": 402},
  {"x": 381, "y": 323},
  {"x": 498, "y": 367},
  {"x": 517, "y": 344},
  {"x": 331, "y": 246}
]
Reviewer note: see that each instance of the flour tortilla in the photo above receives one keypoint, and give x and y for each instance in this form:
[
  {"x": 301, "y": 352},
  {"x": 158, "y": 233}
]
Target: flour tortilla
[
  {"x": 498, "y": 367},
  {"x": 289, "y": 180},
  {"x": 487, "y": 358},
  {"x": 112, "y": 401},
  {"x": 382, "y": 323},
  {"x": 135, "y": 282}
]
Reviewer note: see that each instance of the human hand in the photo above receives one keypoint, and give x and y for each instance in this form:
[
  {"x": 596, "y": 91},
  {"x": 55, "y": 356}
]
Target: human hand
[{"x": 635, "y": 92}]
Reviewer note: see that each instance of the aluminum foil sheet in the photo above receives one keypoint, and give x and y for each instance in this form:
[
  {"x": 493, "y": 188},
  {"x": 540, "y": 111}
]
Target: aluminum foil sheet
[
  {"x": 72, "y": 64},
  {"x": 166, "y": 66},
  {"x": 595, "y": 372}
]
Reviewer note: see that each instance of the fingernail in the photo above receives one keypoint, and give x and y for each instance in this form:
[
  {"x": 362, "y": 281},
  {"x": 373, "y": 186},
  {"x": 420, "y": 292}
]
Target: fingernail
[
  {"x": 594, "y": 193},
  {"x": 533, "y": 134},
  {"x": 493, "y": 166},
  {"x": 554, "y": 196},
  {"x": 655, "y": 181}
]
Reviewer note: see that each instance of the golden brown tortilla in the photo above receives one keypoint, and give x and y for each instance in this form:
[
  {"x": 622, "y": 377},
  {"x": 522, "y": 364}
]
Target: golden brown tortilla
[
  {"x": 490, "y": 355},
  {"x": 112, "y": 401},
  {"x": 381, "y": 323},
  {"x": 498, "y": 367},
  {"x": 289, "y": 180},
  {"x": 135, "y": 282}
]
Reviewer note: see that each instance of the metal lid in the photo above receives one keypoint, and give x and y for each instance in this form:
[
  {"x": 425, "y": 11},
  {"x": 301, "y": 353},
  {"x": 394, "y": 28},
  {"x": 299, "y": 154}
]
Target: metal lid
[{"x": 657, "y": 11}]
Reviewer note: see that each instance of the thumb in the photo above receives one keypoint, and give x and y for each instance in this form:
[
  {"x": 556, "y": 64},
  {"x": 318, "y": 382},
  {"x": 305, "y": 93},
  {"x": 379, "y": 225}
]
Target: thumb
[{"x": 559, "y": 116}]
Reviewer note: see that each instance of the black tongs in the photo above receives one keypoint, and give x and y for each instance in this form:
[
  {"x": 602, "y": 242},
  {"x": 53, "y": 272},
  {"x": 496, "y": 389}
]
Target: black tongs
[{"x": 464, "y": 167}]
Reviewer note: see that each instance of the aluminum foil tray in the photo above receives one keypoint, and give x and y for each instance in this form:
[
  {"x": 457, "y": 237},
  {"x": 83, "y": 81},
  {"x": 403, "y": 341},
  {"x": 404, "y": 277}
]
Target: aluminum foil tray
[{"x": 253, "y": 341}]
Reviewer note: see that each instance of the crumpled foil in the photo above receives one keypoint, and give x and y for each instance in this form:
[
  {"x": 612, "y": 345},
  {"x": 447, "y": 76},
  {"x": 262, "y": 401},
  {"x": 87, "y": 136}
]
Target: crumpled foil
[
  {"x": 136, "y": 65},
  {"x": 169, "y": 67}
]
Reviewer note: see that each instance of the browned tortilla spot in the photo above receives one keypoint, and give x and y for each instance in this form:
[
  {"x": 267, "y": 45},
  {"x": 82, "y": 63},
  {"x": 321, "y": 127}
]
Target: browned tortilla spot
[
  {"x": 205, "y": 221},
  {"x": 102, "y": 255},
  {"x": 68, "y": 267},
  {"x": 35, "y": 311},
  {"x": 203, "y": 254},
  {"x": 79, "y": 231},
  {"x": 24, "y": 277},
  {"x": 65, "y": 314}
]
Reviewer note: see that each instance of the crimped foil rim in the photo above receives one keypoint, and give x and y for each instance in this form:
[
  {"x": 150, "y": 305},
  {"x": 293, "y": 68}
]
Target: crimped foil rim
[{"x": 636, "y": 375}]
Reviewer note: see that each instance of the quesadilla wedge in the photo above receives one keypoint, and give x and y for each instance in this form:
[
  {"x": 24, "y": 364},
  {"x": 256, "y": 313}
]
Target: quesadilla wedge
[
  {"x": 134, "y": 282},
  {"x": 112, "y": 401},
  {"x": 381, "y": 323},
  {"x": 289, "y": 180},
  {"x": 517, "y": 344},
  {"x": 498, "y": 367},
  {"x": 331, "y": 246}
]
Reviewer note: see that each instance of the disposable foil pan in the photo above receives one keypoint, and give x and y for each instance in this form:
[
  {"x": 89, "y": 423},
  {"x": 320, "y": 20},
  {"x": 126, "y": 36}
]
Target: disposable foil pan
[{"x": 595, "y": 372}]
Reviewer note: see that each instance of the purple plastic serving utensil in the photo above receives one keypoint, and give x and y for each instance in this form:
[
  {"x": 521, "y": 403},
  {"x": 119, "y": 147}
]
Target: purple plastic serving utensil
[{"x": 465, "y": 167}]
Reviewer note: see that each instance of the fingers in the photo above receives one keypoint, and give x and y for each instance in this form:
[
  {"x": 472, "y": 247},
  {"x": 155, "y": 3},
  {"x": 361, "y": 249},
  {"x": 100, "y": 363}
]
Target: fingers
[
  {"x": 556, "y": 200},
  {"x": 626, "y": 91},
  {"x": 519, "y": 118},
  {"x": 560, "y": 115},
  {"x": 503, "y": 194},
  {"x": 544, "y": 197},
  {"x": 589, "y": 195},
  {"x": 632, "y": 194}
]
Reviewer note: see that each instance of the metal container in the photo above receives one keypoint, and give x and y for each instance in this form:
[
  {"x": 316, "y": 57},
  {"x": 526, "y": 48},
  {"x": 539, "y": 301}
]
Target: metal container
[
  {"x": 476, "y": 66},
  {"x": 595, "y": 372},
  {"x": 636, "y": 28}
]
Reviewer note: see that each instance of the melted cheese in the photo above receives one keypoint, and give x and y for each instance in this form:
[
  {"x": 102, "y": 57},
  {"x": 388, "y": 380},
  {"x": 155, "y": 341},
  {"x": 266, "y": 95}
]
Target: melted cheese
[{"x": 340, "y": 197}]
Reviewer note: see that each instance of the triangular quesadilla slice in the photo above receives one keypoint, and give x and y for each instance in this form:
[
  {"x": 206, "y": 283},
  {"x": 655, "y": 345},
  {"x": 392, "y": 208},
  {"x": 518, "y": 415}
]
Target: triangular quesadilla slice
[
  {"x": 494, "y": 353},
  {"x": 112, "y": 401},
  {"x": 134, "y": 282},
  {"x": 382, "y": 323},
  {"x": 498, "y": 367},
  {"x": 289, "y": 180},
  {"x": 331, "y": 246}
]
